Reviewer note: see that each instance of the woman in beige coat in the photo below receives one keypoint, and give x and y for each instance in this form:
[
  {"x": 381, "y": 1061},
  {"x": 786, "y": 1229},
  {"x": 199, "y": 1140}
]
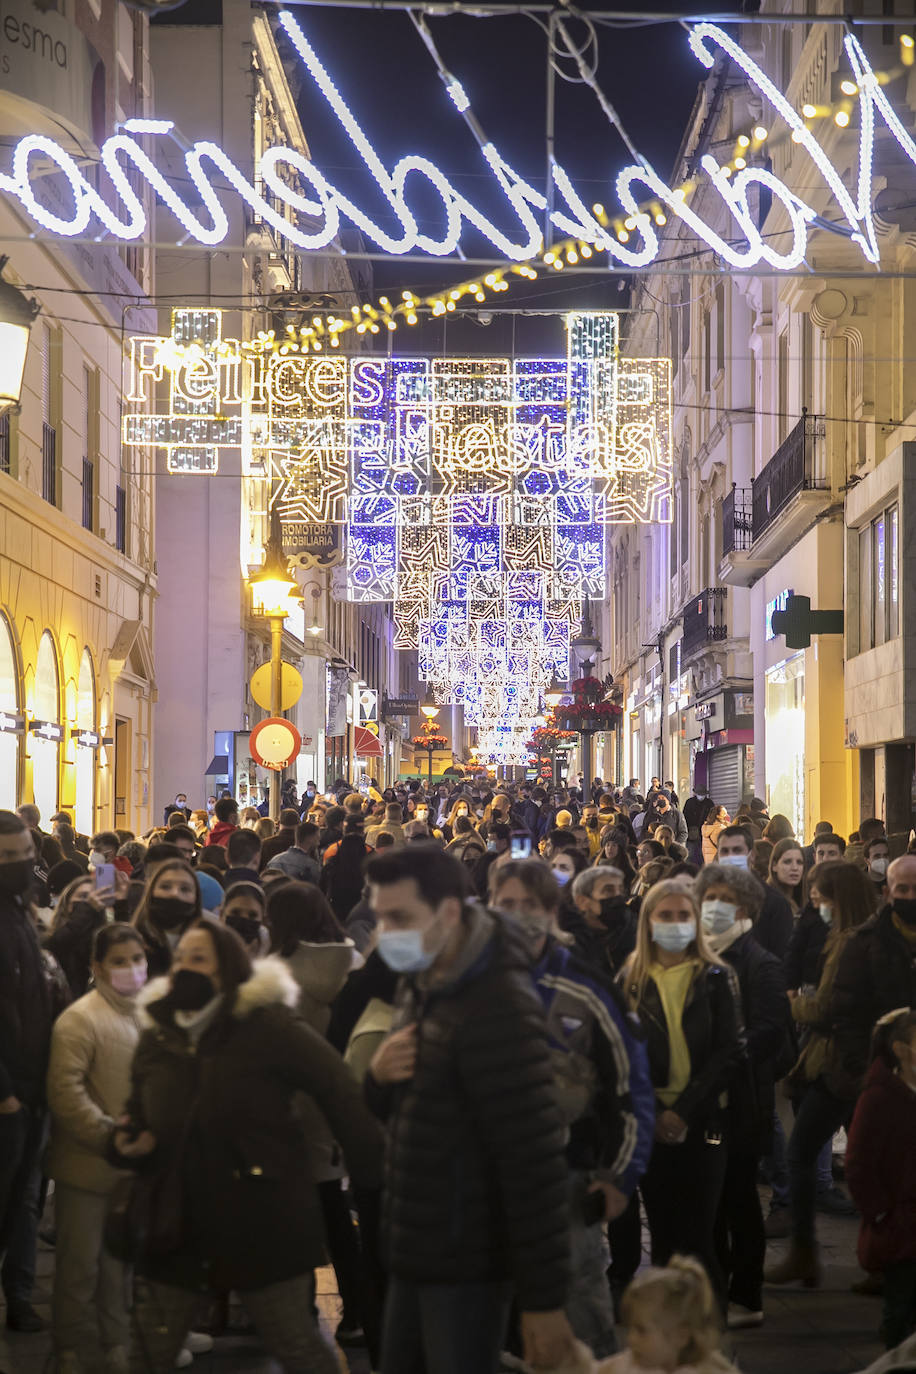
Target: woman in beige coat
[
  {"x": 92, "y": 1048},
  {"x": 711, "y": 830}
]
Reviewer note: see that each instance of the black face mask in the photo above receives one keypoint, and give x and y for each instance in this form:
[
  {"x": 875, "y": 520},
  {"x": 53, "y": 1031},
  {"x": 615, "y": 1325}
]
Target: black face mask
[
  {"x": 905, "y": 908},
  {"x": 245, "y": 927},
  {"x": 17, "y": 876},
  {"x": 168, "y": 913},
  {"x": 612, "y": 908},
  {"x": 191, "y": 990}
]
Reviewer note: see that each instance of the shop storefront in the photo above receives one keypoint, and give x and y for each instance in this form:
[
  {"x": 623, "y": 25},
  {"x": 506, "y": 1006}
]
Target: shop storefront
[
  {"x": 720, "y": 731},
  {"x": 11, "y": 721},
  {"x": 785, "y": 733}
]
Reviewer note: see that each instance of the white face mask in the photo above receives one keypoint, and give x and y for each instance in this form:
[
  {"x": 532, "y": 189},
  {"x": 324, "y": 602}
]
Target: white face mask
[
  {"x": 733, "y": 860},
  {"x": 878, "y": 866},
  {"x": 673, "y": 936},
  {"x": 717, "y": 917},
  {"x": 826, "y": 913},
  {"x": 95, "y": 858}
]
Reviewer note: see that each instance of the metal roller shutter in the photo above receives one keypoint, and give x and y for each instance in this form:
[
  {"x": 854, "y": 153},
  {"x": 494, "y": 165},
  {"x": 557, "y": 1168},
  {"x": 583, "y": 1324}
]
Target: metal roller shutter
[{"x": 725, "y": 774}]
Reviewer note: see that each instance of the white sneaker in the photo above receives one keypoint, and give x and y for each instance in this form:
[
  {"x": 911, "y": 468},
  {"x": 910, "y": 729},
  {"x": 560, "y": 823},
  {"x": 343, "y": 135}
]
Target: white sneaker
[
  {"x": 184, "y": 1359},
  {"x": 740, "y": 1317},
  {"x": 198, "y": 1342},
  {"x": 116, "y": 1360}
]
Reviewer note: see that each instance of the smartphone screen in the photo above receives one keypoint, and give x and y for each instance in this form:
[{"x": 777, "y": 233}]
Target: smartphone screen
[
  {"x": 104, "y": 876},
  {"x": 520, "y": 846}
]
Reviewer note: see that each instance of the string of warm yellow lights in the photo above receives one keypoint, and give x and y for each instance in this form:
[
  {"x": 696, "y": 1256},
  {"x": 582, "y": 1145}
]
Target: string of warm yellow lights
[{"x": 385, "y": 316}]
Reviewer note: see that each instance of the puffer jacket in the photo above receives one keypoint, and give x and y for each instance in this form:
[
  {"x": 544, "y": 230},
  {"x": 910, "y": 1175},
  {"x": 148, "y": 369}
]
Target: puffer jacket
[
  {"x": 476, "y": 1181},
  {"x": 92, "y": 1047},
  {"x": 223, "y": 1116},
  {"x": 881, "y": 1169},
  {"x": 714, "y": 1031}
]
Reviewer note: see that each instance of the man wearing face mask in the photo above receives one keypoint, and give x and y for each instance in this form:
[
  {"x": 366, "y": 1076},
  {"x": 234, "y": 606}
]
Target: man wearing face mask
[
  {"x": 661, "y": 812},
  {"x": 25, "y": 1038},
  {"x": 730, "y": 902},
  {"x": 877, "y": 970},
  {"x": 698, "y": 809},
  {"x": 602, "y": 1079},
  {"x": 876, "y": 855},
  {"x": 607, "y": 936},
  {"x": 774, "y": 925},
  {"x": 476, "y": 1138}
]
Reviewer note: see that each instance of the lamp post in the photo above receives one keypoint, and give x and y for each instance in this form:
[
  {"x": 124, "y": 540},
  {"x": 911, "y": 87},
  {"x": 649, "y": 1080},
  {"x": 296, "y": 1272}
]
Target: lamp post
[
  {"x": 270, "y": 592},
  {"x": 584, "y": 651},
  {"x": 430, "y": 710},
  {"x": 16, "y": 315}
]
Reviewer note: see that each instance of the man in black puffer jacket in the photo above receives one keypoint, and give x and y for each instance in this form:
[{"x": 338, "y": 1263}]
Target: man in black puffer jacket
[{"x": 475, "y": 1201}]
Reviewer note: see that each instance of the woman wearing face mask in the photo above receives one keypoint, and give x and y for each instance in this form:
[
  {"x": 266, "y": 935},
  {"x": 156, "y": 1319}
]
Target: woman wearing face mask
[
  {"x": 730, "y": 901},
  {"x": 92, "y": 1046},
  {"x": 710, "y": 831},
  {"x": 689, "y": 1004},
  {"x": 566, "y": 865},
  {"x": 787, "y": 872},
  {"x": 823, "y": 1094},
  {"x": 243, "y": 910},
  {"x": 170, "y": 902},
  {"x": 615, "y": 852},
  {"x": 212, "y": 1110},
  {"x": 461, "y": 809},
  {"x": 465, "y": 843},
  {"x": 81, "y": 911}
]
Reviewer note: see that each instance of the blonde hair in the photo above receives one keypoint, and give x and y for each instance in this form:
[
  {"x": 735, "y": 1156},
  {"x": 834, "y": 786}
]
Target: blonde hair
[
  {"x": 679, "y": 1295},
  {"x": 635, "y": 972}
]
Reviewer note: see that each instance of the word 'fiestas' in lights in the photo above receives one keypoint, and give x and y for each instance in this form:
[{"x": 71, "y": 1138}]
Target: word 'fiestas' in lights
[{"x": 311, "y": 207}]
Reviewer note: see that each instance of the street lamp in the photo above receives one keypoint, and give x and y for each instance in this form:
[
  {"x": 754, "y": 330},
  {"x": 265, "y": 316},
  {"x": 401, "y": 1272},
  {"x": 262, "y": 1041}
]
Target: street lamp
[
  {"x": 16, "y": 316},
  {"x": 270, "y": 592},
  {"x": 428, "y": 704},
  {"x": 555, "y": 693}
]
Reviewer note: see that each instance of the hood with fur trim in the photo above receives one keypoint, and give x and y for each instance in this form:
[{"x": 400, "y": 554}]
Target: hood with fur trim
[{"x": 270, "y": 984}]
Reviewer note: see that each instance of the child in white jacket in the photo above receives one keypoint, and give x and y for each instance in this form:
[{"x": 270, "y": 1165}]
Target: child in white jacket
[{"x": 92, "y": 1047}]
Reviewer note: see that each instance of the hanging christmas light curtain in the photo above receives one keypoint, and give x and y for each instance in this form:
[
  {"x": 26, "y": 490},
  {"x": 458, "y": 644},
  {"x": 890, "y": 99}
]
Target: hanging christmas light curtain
[{"x": 475, "y": 492}]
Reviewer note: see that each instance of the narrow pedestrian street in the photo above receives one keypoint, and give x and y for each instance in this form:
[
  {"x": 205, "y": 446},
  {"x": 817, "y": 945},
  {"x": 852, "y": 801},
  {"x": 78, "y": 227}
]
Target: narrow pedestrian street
[{"x": 830, "y": 1330}]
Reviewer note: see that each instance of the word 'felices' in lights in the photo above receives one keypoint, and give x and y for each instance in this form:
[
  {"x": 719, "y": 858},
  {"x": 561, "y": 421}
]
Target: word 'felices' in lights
[{"x": 303, "y": 192}]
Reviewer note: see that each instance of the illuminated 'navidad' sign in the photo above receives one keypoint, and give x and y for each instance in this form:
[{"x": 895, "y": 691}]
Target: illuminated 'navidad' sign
[{"x": 312, "y": 207}]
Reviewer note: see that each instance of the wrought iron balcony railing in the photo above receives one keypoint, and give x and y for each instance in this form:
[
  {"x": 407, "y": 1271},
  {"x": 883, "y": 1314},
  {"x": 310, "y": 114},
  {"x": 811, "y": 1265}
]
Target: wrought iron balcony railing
[
  {"x": 704, "y": 619},
  {"x": 789, "y": 471},
  {"x": 737, "y": 524}
]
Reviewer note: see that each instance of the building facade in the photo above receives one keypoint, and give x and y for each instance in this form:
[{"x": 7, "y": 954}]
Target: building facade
[
  {"x": 77, "y": 570},
  {"x": 793, "y": 419}
]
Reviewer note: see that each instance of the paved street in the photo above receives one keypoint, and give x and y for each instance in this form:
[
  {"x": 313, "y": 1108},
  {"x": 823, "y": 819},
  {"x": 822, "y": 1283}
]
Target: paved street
[{"x": 832, "y": 1331}]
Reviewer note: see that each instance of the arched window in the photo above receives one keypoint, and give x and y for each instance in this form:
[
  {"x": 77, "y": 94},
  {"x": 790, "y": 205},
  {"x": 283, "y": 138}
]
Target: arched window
[
  {"x": 46, "y": 753},
  {"x": 84, "y": 812},
  {"x": 10, "y": 744}
]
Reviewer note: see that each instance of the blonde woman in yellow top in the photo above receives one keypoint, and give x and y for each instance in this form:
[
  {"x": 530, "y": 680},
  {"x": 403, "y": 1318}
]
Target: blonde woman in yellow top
[{"x": 689, "y": 1005}]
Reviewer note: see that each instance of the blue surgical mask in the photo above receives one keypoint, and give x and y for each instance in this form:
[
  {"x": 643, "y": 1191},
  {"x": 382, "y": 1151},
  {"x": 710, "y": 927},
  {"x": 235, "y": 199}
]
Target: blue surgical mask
[
  {"x": 826, "y": 913},
  {"x": 733, "y": 860},
  {"x": 492, "y": 847},
  {"x": 561, "y": 876},
  {"x": 674, "y": 936},
  {"x": 403, "y": 952},
  {"x": 717, "y": 917}
]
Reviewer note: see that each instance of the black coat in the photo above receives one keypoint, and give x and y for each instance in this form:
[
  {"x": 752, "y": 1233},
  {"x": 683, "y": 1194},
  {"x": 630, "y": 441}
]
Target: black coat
[
  {"x": 770, "y": 1043},
  {"x": 25, "y": 1006},
  {"x": 225, "y": 1123},
  {"x": 605, "y": 951},
  {"x": 476, "y": 1185},
  {"x": 805, "y": 956},
  {"x": 71, "y": 942},
  {"x": 877, "y": 973},
  {"x": 713, "y": 1029},
  {"x": 773, "y": 927}
]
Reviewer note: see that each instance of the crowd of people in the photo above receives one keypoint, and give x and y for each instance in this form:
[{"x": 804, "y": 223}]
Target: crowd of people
[{"x": 465, "y": 1041}]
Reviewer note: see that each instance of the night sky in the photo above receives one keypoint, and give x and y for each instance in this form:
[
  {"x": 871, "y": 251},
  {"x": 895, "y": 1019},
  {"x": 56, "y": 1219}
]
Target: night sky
[{"x": 387, "y": 77}]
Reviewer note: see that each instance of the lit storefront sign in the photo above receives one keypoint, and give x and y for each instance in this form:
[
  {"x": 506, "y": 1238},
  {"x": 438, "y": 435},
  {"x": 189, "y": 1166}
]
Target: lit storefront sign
[
  {"x": 777, "y": 604},
  {"x": 297, "y": 194},
  {"x": 47, "y": 730},
  {"x": 11, "y": 723},
  {"x": 90, "y": 739}
]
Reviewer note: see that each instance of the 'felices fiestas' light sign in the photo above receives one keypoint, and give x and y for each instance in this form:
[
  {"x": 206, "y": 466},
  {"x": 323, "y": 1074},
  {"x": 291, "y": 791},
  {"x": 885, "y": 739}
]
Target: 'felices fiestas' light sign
[{"x": 316, "y": 207}]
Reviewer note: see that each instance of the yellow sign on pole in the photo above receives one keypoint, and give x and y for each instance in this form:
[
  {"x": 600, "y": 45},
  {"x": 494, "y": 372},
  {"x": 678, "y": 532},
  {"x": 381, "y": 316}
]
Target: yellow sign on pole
[{"x": 290, "y": 687}]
